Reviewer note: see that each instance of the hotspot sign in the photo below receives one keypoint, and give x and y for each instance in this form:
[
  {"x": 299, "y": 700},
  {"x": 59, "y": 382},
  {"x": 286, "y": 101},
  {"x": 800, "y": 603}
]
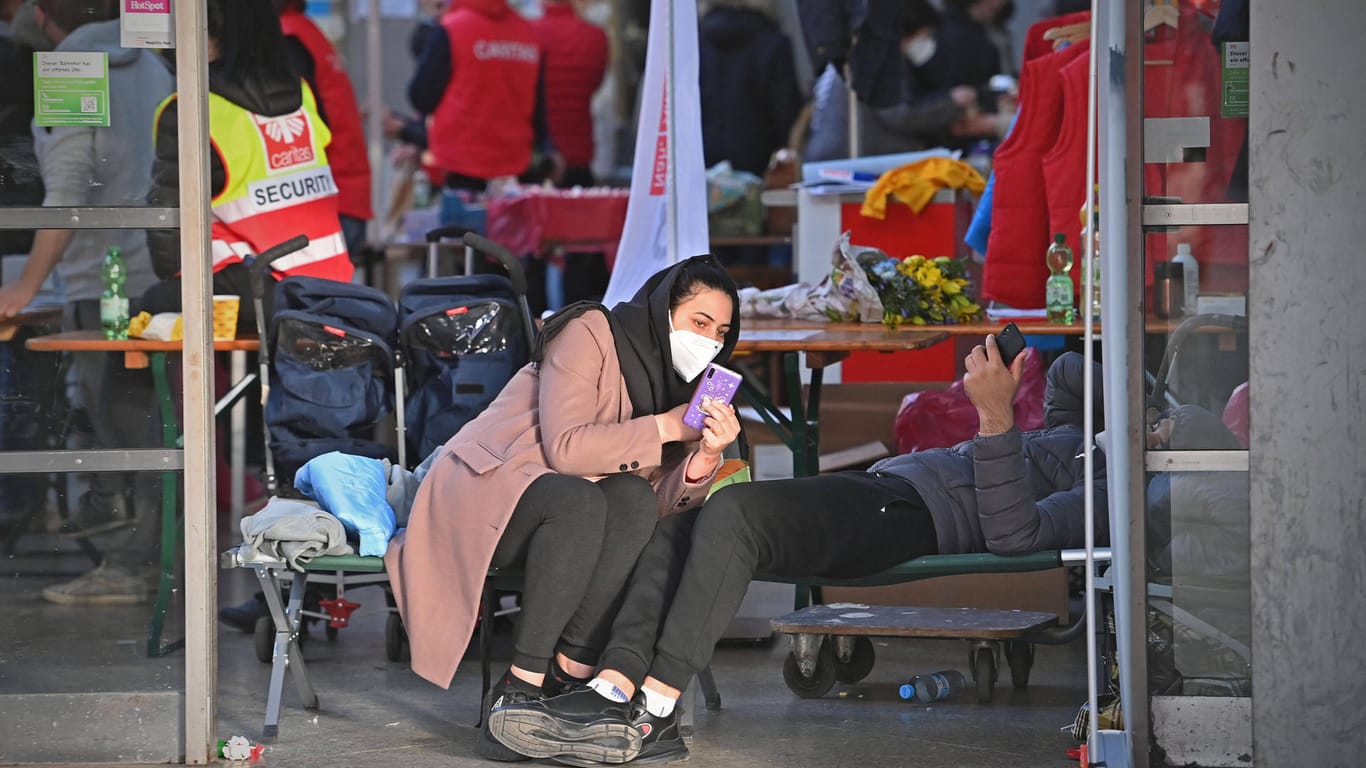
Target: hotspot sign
[{"x": 146, "y": 24}]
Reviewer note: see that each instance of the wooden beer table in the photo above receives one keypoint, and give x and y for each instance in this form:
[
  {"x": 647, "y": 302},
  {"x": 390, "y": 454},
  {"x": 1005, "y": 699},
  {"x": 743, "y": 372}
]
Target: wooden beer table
[
  {"x": 824, "y": 344},
  {"x": 144, "y": 353}
]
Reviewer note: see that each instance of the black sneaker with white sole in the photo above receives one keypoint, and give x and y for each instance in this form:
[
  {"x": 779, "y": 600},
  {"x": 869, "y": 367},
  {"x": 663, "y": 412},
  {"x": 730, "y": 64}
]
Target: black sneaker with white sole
[
  {"x": 580, "y": 724},
  {"x": 504, "y": 693},
  {"x": 661, "y": 739}
]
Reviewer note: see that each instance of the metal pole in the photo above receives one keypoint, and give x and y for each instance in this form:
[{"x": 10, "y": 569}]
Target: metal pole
[
  {"x": 201, "y": 587},
  {"x": 374, "y": 120},
  {"x": 671, "y": 138},
  {"x": 854, "y": 144},
  {"x": 1088, "y": 280},
  {"x": 1122, "y": 307}
]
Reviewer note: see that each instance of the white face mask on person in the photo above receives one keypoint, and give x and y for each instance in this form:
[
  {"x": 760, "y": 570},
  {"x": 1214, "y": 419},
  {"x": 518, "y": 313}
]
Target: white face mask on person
[
  {"x": 691, "y": 352},
  {"x": 919, "y": 49}
]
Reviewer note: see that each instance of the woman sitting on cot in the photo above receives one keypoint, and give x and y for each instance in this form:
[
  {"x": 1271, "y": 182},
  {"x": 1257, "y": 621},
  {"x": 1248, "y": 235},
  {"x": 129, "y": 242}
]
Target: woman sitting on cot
[{"x": 565, "y": 474}]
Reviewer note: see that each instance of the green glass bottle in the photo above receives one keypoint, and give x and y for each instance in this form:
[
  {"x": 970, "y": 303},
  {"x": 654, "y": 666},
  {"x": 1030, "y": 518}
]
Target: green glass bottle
[
  {"x": 114, "y": 299},
  {"x": 1058, "y": 291}
]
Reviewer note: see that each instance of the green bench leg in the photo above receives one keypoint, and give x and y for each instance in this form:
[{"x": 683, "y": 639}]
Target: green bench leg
[{"x": 170, "y": 524}]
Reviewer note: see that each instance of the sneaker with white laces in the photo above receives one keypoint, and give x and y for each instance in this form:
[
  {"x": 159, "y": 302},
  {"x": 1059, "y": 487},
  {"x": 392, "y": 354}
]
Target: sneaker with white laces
[
  {"x": 104, "y": 585},
  {"x": 581, "y": 724}
]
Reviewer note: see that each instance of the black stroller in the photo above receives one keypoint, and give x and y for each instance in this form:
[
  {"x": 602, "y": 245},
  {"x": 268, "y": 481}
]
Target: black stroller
[
  {"x": 314, "y": 348},
  {"x": 331, "y": 382}
]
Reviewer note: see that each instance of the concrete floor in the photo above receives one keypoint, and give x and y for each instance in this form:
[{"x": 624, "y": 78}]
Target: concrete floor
[{"x": 375, "y": 712}]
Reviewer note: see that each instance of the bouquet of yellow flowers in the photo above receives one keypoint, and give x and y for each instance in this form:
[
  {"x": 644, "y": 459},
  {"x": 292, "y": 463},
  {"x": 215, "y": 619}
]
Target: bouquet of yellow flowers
[{"x": 920, "y": 291}]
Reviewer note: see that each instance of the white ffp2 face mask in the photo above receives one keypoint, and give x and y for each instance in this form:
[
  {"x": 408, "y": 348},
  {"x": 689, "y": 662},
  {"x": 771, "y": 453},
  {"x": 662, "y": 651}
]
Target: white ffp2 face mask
[
  {"x": 691, "y": 352},
  {"x": 919, "y": 50}
]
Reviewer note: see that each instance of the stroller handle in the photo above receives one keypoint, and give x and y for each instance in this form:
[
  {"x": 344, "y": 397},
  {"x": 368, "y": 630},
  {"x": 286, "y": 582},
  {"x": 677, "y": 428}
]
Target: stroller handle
[
  {"x": 511, "y": 263},
  {"x": 454, "y": 232},
  {"x": 1236, "y": 323},
  {"x": 256, "y": 272}
]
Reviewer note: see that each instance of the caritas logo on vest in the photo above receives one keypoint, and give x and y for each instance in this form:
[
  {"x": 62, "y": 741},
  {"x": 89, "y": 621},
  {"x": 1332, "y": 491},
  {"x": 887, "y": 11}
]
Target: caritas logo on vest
[
  {"x": 506, "y": 50},
  {"x": 288, "y": 141}
]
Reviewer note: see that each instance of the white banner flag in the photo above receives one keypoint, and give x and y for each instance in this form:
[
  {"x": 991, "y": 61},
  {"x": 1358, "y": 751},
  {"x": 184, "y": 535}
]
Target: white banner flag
[{"x": 666, "y": 218}]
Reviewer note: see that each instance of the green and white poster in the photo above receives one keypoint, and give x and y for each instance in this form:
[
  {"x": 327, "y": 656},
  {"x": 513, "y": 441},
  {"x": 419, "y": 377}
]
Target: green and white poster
[
  {"x": 70, "y": 88},
  {"x": 1234, "y": 81}
]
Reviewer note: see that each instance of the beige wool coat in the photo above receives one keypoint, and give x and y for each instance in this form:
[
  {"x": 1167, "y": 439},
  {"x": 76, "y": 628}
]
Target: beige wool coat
[{"x": 572, "y": 415}]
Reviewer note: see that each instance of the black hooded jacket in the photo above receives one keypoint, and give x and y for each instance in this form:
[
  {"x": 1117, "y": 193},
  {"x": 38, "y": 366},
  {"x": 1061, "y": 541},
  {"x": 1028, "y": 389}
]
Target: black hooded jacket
[
  {"x": 748, "y": 85},
  {"x": 866, "y": 34},
  {"x": 1016, "y": 492}
]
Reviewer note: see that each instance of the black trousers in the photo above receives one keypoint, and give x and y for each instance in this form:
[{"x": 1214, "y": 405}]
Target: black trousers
[
  {"x": 579, "y": 540},
  {"x": 694, "y": 572}
]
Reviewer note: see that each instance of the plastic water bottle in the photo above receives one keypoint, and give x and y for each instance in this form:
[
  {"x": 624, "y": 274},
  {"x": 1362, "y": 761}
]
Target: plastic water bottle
[
  {"x": 1058, "y": 291},
  {"x": 1190, "y": 270},
  {"x": 934, "y": 687},
  {"x": 1092, "y": 233},
  {"x": 114, "y": 298},
  {"x": 422, "y": 189}
]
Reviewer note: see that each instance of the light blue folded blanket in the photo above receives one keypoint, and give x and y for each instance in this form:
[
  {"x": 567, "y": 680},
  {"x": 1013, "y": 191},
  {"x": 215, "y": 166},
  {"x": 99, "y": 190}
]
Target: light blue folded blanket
[{"x": 353, "y": 488}]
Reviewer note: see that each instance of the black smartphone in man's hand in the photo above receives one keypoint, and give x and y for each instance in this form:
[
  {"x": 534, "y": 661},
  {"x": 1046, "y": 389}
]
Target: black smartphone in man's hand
[{"x": 1010, "y": 343}]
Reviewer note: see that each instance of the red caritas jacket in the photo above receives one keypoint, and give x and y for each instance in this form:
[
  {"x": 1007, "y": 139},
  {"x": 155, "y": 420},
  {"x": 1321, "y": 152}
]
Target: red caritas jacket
[
  {"x": 347, "y": 152},
  {"x": 575, "y": 61},
  {"x": 1015, "y": 272},
  {"x": 482, "y": 126}
]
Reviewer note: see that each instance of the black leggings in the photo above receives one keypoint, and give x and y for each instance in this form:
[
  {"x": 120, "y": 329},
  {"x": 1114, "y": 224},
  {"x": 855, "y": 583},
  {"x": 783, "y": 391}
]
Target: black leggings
[
  {"x": 579, "y": 541},
  {"x": 693, "y": 574}
]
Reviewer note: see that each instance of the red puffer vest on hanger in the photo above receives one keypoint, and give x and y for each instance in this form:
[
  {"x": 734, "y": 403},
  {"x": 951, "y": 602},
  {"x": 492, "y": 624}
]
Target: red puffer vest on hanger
[
  {"x": 347, "y": 152},
  {"x": 1064, "y": 166},
  {"x": 1015, "y": 272}
]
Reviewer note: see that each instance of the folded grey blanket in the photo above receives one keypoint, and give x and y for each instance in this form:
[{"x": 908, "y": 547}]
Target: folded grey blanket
[{"x": 294, "y": 530}]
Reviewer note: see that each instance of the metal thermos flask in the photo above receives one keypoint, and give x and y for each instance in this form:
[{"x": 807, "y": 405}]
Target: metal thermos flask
[{"x": 1169, "y": 289}]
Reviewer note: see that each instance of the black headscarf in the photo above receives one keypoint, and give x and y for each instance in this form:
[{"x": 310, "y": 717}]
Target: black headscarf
[{"x": 640, "y": 329}]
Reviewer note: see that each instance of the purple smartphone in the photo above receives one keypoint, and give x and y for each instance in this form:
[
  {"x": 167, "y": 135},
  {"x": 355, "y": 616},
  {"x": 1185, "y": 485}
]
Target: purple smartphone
[{"x": 716, "y": 383}]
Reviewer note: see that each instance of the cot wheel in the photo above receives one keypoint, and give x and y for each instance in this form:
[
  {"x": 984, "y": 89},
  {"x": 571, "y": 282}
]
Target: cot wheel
[
  {"x": 265, "y": 639},
  {"x": 822, "y": 678},
  {"x": 984, "y": 674},
  {"x": 395, "y": 639},
  {"x": 860, "y": 662},
  {"x": 1020, "y": 657}
]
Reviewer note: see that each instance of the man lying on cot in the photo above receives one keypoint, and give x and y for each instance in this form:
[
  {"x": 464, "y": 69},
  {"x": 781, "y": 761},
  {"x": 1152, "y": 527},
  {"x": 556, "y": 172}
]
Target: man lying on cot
[{"x": 1004, "y": 491}]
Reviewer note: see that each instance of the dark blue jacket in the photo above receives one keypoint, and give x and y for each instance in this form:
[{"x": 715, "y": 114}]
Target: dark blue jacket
[
  {"x": 748, "y": 85},
  {"x": 1016, "y": 492}
]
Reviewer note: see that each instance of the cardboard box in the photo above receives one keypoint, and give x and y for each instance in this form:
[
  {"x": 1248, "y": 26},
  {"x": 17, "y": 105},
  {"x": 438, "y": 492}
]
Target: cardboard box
[
  {"x": 1044, "y": 591},
  {"x": 851, "y": 416}
]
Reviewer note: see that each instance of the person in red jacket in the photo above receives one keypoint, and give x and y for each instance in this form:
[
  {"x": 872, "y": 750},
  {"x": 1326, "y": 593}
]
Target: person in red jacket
[
  {"x": 317, "y": 62},
  {"x": 575, "y": 54},
  {"x": 482, "y": 84}
]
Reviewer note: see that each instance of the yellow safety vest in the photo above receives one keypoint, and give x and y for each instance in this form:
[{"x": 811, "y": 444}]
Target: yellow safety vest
[{"x": 278, "y": 185}]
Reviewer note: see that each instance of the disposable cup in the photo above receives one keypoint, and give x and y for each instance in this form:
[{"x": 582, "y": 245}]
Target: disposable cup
[{"x": 225, "y": 317}]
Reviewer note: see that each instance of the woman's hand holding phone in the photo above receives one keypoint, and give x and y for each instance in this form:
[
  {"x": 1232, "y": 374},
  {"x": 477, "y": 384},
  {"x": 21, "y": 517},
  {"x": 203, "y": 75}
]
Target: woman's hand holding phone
[{"x": 720, "y": 428}]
